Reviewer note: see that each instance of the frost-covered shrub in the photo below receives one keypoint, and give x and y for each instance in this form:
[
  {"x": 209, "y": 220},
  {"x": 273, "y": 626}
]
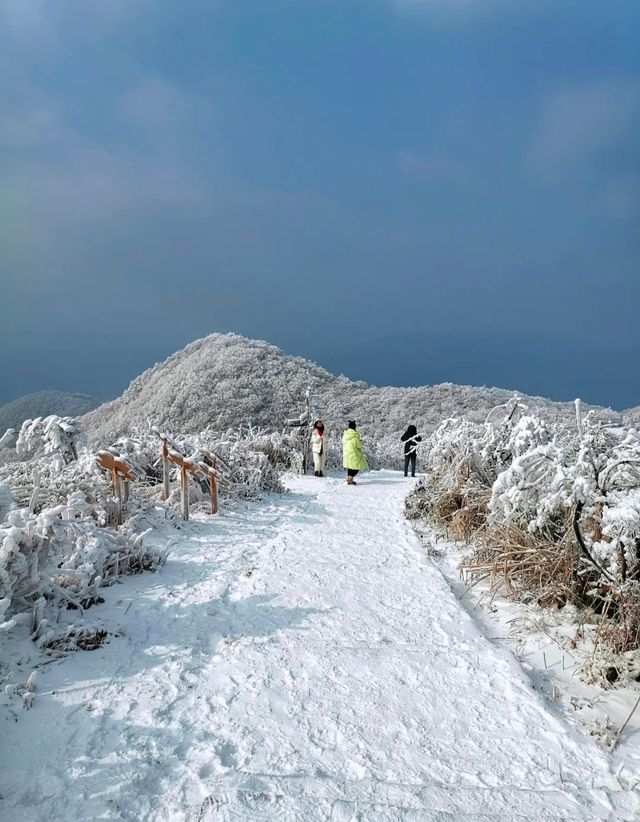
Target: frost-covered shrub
[
  {"x": 254, "y": 461},
  {"x": 46, "y": 482},
  {"x": 250, "y": 461},
  {"x": 61, "y": 436},
  {"x": 43, "y": 404},
  {"x": 463, "y": 460},
  {"x": 554, "y": 510},
  {"x": 64, "y": 554},
  {"x": 6, "y": 502},
  {"x": 7, "y": 438},
  {"x": 56, "y": 550}
]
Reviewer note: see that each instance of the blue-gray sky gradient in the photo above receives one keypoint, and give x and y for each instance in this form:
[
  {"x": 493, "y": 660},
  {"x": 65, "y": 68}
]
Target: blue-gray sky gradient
[{"x": 406, "y": 191}]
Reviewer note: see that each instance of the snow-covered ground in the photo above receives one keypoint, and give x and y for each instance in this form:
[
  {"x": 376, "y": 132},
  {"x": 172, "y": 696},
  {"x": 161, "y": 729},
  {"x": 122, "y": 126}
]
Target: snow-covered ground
[
  {"x": 545, "y": 642},
  {"x": 300, "y": 658}
]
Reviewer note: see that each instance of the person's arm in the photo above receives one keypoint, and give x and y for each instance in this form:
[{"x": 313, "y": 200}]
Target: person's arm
[{"x": 404, "y": 437}]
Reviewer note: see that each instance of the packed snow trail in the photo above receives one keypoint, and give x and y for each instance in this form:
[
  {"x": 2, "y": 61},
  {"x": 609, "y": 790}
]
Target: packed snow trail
[{"x": 298, "y": 659}]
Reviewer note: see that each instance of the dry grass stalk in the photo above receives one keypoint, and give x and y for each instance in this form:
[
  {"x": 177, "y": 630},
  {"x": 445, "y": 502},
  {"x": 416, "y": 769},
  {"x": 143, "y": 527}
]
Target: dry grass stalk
[{"x": 525, "y": 565}]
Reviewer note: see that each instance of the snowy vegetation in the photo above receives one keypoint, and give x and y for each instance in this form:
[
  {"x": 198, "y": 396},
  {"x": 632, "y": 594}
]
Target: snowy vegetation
[
  {"x": 632, "y": 416},
  {"x": 553, "y": 506},
  {"x": 43, "y": 404},
  {"x": 58, "y": 546},
  {"x": 552, "y": 515},
  {"x": 226, "y": 381}
]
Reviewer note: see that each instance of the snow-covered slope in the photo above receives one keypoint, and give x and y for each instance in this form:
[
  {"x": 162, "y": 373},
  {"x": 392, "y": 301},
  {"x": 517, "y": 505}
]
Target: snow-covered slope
[
  {"x": 42, "y": 404},
  {"x": 227, "y": 380}
]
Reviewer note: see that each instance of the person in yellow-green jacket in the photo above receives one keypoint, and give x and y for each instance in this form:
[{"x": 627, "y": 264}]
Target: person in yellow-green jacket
[{"x": 352, "y": 457}]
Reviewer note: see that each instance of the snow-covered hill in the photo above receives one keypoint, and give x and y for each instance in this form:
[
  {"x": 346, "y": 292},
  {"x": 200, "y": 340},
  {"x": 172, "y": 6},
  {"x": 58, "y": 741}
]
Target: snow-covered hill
[
  {"x": 632, "y": 416},
  {"x": 42, "y": 404},
  {"x": 226, "y": 380}
]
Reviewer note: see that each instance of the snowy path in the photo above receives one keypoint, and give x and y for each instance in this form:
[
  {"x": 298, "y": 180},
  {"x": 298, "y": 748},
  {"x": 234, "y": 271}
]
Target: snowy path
[{"x": 299, "y": 659}]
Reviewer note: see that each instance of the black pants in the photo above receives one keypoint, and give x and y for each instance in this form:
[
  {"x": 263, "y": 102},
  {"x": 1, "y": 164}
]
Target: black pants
[
  {"x": 352, "y": 472},
  {"x": 410, "y": 458}
]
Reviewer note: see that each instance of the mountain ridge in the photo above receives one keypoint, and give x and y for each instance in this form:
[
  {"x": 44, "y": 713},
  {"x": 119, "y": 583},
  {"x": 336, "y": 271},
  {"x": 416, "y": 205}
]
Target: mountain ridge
[
  {"x": 225, "y": 380},
  {"x": 42, "y": 404}
]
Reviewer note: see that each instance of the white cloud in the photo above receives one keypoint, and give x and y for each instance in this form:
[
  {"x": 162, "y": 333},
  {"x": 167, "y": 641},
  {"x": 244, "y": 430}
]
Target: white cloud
[
  {"x": 42, "y": 24},
  {"x": 577, "y": 123}
]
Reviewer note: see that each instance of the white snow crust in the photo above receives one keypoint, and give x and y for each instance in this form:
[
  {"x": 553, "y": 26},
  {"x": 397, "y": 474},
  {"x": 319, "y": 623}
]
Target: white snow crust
[{"x": 299, "y": 658}]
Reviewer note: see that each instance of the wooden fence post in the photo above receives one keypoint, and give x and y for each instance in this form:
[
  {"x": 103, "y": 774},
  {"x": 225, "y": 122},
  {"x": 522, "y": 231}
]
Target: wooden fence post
[
  {"x": 125, "y": 490},
  {"x": 121, "y": 476},
  {"x": 199, "y": 471},
  {"x": 213, "y": 492},
  {"x": 166, "y": 489},
  {"x": 117, "y": 492},
  {"x": 184, "y": 492}
]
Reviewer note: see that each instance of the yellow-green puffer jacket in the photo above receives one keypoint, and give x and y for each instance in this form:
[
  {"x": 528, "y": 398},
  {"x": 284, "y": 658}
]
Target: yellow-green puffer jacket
[{"x": 352, "y": 456}]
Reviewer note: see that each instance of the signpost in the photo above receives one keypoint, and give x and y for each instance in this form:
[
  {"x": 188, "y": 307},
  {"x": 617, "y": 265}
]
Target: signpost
[{"x": 313, "y": 408}]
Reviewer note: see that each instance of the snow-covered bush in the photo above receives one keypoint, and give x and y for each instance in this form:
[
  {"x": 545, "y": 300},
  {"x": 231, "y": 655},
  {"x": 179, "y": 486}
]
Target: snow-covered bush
[
  {"x": 62, "y": 555},
  {"x": 61, "y": 436},
  {"x": 251, "y": 461},
  {"x": 6, "y": 502},
  {"x": 46, "y": 482},
  {"x": 553, "y": 511},
  {"x": 57, "y": 548},
  {"x": 43, "y": 404},
  {"x": 7, "y": 438}
]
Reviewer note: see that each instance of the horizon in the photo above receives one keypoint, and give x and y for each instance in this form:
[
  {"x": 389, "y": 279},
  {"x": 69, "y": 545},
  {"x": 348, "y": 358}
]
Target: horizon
[
  {"x": 334, "y": 373},
  {"x": 408, "y": 192}
]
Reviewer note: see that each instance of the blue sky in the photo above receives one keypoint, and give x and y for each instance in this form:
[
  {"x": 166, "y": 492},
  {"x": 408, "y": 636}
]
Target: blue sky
[{"x": 406, "y": 191}]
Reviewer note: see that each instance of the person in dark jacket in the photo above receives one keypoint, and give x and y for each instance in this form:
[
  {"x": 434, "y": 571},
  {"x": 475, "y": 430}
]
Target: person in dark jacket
[{"x": 410, "y": 439}]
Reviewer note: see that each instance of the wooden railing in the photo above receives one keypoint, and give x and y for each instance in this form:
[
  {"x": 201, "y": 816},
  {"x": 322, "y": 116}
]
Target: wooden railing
[
  {"x": 210, "y": 470},
  {"x": 121, "y": 478}
]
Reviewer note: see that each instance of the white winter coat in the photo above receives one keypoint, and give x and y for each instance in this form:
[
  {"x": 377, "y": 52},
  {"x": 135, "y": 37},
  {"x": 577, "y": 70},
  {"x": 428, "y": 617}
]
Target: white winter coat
[{"x": 319, "y": 450}]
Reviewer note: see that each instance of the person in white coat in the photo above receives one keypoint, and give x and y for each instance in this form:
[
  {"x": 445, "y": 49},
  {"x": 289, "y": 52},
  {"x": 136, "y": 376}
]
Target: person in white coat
[{"x": 319, "y": 448}]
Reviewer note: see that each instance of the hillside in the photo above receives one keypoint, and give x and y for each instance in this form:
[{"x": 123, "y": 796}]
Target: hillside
[
  {"x": 632, "y": 416},
  {"x": 226, "y": 380},
  {"x": 41, "y": 404}
]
